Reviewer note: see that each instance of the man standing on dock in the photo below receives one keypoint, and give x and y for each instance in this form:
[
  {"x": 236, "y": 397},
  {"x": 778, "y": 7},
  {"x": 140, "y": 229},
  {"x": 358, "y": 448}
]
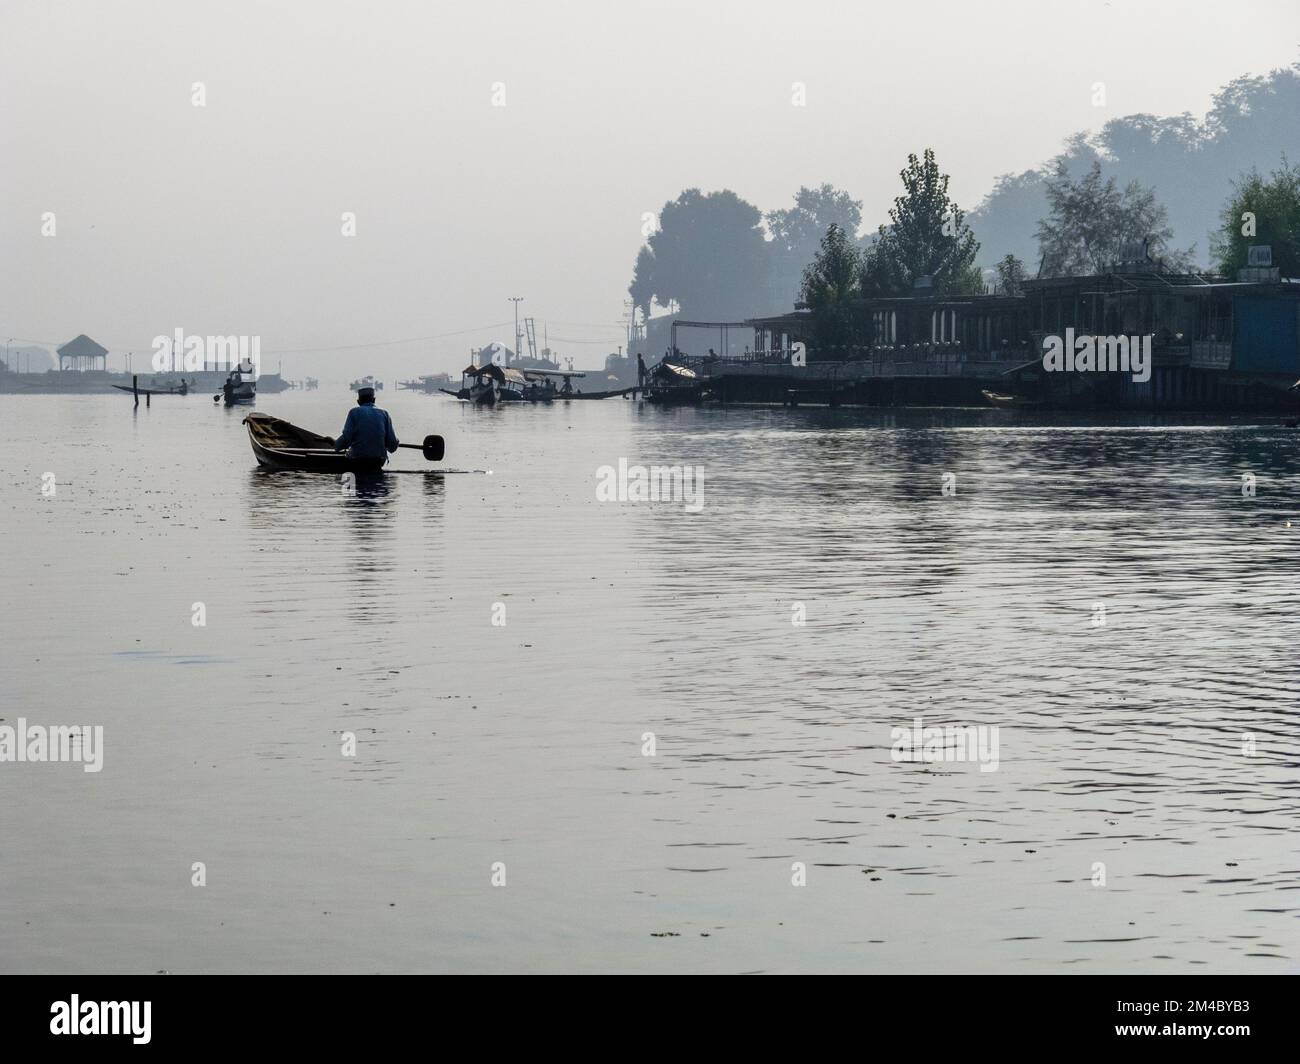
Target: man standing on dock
[{"x": 368, "y": 432}]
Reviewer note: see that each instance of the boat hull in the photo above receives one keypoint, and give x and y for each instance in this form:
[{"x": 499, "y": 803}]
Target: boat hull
[
  {"x": 1009, "y": 402},
  {"x": 490, "y": 397},
  {"x": 243, "y": 394},
  {"x": 284, "y": 447},
  {"x": 594, "y": 395},
  {"x": 150, "y": 391}
]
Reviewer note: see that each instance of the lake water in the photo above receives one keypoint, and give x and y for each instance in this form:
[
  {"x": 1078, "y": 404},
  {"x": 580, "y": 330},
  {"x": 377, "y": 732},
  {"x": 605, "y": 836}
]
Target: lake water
[{"x": 1161, "y": 744}]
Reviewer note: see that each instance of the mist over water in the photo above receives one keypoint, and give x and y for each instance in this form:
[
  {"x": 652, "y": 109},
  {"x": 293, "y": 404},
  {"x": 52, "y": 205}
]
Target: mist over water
[{"x": 522, "y": 744}]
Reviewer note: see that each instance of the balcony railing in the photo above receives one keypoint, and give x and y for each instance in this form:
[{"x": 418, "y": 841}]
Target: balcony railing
[{"x": 942, "y": 351}]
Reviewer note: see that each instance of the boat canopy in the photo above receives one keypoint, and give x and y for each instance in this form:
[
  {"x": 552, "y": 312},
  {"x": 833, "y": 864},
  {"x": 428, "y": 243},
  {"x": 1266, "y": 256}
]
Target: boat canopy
[
  {"x": 531, "y": 373},
  {"x": 681, "y": 371},
  {"x": 505, "y": 374}
]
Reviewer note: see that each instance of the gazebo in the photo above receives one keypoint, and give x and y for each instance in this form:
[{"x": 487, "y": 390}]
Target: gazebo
[{"x": 82, "y": 354}]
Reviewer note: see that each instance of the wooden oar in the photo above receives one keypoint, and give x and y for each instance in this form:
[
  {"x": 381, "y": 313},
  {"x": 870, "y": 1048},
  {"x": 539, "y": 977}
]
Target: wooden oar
[{"x": 434, "y": 447}]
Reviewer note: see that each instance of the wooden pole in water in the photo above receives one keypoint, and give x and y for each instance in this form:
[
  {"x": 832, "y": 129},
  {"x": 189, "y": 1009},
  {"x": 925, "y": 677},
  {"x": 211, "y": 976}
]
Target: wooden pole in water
[{"x": 135, "y": 388}]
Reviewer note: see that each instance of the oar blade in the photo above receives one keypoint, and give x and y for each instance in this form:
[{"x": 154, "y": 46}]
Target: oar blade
[{"x": 434, "y": 448}]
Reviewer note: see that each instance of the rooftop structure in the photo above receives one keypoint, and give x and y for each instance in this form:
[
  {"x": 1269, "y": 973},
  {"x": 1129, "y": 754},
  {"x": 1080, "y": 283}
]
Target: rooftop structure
[{"x": 82, "y": 354}]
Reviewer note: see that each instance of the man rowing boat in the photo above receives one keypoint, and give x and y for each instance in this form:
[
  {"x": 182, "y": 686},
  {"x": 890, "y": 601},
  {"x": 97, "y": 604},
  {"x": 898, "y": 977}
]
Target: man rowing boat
[{"x": 368, "y": 433}]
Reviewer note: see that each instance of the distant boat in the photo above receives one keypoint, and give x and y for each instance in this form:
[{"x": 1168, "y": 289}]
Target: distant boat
[
  {"x": 367, "y": 382},
  {"x": 542, "y": 386},
  {"x": 172, "y": 389},
  {"x": 491, "y": 384},
  {"x": 241, "y": 386},
  {"x": 273, "y": 384},
  {"x": 429, "y": 383},
  {"x": 566, "y": 396}
]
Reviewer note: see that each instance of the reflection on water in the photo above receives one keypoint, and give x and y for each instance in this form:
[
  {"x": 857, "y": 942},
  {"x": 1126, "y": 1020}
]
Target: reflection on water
[
  {"x": 348, "y": 528},
  {"x": 501, "y": 647}
]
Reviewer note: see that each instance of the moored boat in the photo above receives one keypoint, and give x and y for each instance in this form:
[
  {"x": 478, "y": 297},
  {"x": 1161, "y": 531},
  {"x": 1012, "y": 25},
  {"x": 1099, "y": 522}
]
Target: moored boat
[
  {"x": 1009, "y": 401},
  {"x": 566, "y": 396},
  {"x": 491, "y": 384},
  {"x": 172, "y": 389},
  {"x": 669, "y": 384}
]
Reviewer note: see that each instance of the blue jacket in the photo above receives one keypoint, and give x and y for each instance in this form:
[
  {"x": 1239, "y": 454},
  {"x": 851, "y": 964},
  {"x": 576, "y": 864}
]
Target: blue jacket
[{"x": 367, "y": 433}]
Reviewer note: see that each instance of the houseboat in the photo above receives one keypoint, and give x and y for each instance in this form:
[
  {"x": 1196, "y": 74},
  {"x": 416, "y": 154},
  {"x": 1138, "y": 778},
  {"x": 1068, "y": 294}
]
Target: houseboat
[
  {"x": 491, "y": 384},
  {"x": 671, "y": 383},
  {"x": 494, "y": 383}
]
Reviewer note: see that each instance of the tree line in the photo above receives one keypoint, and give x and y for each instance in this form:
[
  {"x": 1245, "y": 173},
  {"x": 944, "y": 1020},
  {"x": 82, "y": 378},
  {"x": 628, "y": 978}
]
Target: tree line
[{"x": 715, "y": 256}]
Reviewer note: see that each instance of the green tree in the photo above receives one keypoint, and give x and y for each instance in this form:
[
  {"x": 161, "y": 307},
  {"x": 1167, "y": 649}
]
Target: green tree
[
  {"x": 927, "y": 236},
  {"x": 642, "y": 287},
  {"x": 1275, "y": 204},
  {"x": 707, "y": 256},
  {"x": 830, "y": 290},
  {"x": 1090, "y": 218},
  {"x": 1011, "y": 276},
  {"x": 796, "y": 232},
  {"x": 875, "y": 277},
  {"x": 1189, "y": 159},
  {"x": 969, "y": 282}
]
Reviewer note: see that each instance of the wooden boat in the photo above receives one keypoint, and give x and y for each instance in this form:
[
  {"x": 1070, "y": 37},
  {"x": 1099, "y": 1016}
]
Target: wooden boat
[
  {"x": 1009, "y": 401},
  {"x": 183, "y": 389},
  {"x": 597, "y": 395},
  {"x": 491, "y": 384},
  {"x": 277, "y": 444},
  {"x": 429, "y": 383},
  {"x": 240, "y": 387},
  {"x": 669, "y": 384}
]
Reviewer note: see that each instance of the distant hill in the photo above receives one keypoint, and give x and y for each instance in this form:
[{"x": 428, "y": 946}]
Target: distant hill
[{"x": 29, "y": 359}]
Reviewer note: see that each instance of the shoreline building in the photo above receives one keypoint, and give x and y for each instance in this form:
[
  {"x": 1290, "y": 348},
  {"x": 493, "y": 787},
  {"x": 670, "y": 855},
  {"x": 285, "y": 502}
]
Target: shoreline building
[
  {"x": 81, "y": 355},
  {"x": 1216, "y": 344}
]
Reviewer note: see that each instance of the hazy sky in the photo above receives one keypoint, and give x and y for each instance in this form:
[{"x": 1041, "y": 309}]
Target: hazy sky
[{"x": 227, "y": 218}]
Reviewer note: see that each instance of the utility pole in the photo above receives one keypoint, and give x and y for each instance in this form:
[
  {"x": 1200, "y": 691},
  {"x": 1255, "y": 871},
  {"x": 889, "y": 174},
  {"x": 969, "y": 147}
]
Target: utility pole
[{"x": 516, "y": 300}]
